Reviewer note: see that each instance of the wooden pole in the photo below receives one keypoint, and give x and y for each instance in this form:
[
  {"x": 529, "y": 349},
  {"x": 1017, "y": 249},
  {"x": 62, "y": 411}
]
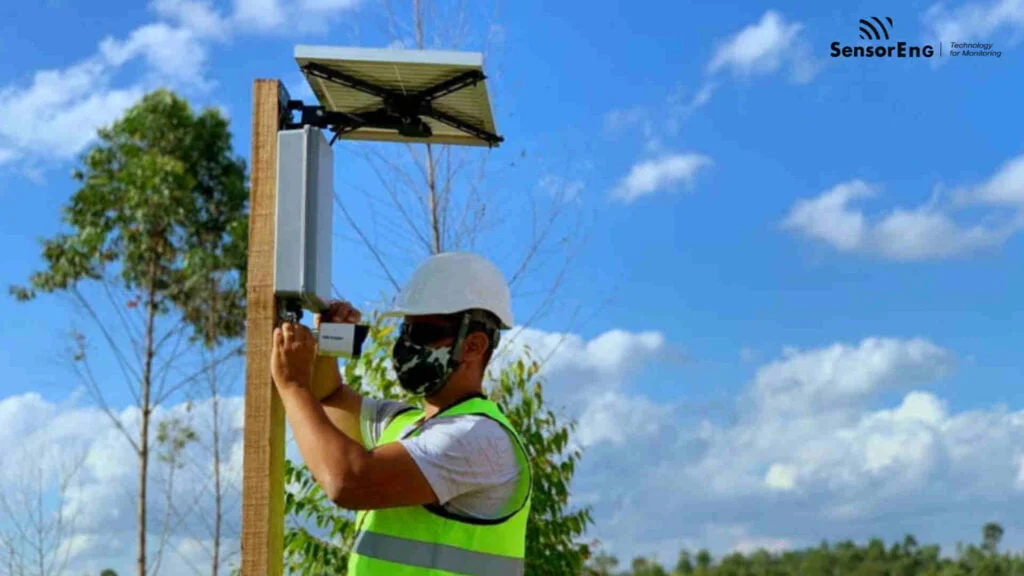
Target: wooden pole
[{"x": 263, "y": 460}]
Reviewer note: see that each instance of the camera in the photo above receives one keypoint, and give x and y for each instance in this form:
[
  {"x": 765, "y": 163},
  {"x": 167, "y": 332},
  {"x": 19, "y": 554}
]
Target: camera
[{"x": 341, "y": 340}]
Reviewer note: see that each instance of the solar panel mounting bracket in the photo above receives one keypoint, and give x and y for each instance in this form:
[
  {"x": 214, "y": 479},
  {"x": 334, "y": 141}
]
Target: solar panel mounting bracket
[{"x": 400, "y": 111}]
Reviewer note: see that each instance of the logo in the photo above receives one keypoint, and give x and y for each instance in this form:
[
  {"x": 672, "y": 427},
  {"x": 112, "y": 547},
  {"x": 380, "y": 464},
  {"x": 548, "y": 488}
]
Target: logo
[
  {"x": 875, "y": 29},
  {"x": 871, "y": 32}
]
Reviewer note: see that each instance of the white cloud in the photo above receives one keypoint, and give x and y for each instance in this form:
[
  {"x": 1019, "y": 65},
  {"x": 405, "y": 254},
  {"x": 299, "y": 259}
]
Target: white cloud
[
  {"x": 100, "y": 504},
  {"x": 616, "y": 120},
  {"x": 320, "y": 6},
  {"x": 56, "y": 115},
  {"x": 683, "y": 105},
  {"x": 7, "y": 155},
  {"x": 193, "y": 15},
  {"x": 610, "y": 355},
  {"x": 587, "y": 379},
  {"x": 660, "y": 173},
  {"x": 1004, "y": 188},
  {"x": 103, "y": 502},
  {"x": 809, "y": 454},
  {"x": 284, "y": 17},
  {"x": 843, "y": 375},
  {"x": 173, "y": 53},
  {"x": 747, "y": 545},
  {"x": 658, "y": 122},
  {"x": 259, "y": 14},
  {"x": 974, "y": 21},
  {"x": 496, "y": 35},
  {"x": 923, "y": 232},
  {"x": 616, "y": 418},
  {"x": 763, "y": 48},
  {"x": 781, "y": 477},
  {"x": 564, "y": 189}
]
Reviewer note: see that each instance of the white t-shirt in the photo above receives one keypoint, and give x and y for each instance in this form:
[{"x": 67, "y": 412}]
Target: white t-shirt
[{"x": 469, "y": 460}]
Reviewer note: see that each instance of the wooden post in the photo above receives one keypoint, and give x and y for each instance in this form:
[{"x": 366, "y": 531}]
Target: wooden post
[{"x": 263, "y": 460}]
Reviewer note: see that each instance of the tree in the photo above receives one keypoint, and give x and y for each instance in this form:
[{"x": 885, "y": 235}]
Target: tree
[
  {"x": 703, "y": 560},
  {"x": 684, "y": 566},
  {"x": 601, "y": 564},
  {"x": 992, "y": 533},
  {"x": 906, "y": 557},
  {"x": 172, "y": 436},
  {"x": 431, "y": 198},
  {"x": 159, "y": 212},
  {"x": 647, "y": 567},
  {"x": 36, "y": 526},
  {"x": 319, "y": 534}
]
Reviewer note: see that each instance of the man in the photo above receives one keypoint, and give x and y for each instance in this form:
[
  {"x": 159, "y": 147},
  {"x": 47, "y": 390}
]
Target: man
[{"x": 442, "y": 490}]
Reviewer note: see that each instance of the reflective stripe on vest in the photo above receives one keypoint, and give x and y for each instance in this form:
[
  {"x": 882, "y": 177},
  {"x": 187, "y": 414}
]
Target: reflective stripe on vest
[
  {"x": 435, "y": 556},
  {"x": 417, "y": 541}
]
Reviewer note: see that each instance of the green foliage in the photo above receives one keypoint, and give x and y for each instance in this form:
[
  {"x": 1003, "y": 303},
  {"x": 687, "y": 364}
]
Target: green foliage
[
  {"x": 319, "y": 534},
  {"x": 992, "y": 533},
  {"x": 906, "y": 558},
  {"x": 304, "y": 552},
  {"x": 172, "y": 436},
  {"x": 163, "y": 205},
  {"x": 551, "y": 536},
  {"x": 552, "y": 531}
]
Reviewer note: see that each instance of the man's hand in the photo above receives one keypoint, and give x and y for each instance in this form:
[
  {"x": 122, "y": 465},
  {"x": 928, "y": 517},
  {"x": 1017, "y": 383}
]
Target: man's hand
[
  {"x": 326, "y": 376},
  {"x": 291, "y": 362},
  {"x": 339, "y": 312}
]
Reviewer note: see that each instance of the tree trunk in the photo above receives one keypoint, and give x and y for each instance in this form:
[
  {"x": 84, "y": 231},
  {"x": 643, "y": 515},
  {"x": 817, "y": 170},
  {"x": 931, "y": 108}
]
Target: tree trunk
[
  {"x": 432, "y": 199},
  {"x": 435, "y": 219},
  {"x": 147, "y": 372},
  {"x": 217, "y": 495}
]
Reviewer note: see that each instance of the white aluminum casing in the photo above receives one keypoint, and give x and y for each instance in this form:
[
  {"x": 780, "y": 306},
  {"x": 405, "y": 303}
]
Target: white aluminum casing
[{"x": 305, "y": 202}]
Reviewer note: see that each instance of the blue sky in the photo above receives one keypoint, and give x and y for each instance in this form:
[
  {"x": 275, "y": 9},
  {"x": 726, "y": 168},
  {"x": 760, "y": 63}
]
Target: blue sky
[{"x": 745, "y": 194}]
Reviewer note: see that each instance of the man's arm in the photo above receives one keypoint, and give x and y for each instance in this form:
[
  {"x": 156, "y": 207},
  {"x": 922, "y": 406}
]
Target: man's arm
[
  {"x": 341, "y": 404},
  {"x": 349, "y": 475}
]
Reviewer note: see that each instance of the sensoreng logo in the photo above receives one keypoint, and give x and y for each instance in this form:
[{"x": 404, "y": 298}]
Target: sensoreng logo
[{"x": 875, "y": 28}]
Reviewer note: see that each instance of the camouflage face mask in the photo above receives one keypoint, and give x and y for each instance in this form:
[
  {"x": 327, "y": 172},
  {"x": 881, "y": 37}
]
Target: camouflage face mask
[{"x": 421, "y": 370}]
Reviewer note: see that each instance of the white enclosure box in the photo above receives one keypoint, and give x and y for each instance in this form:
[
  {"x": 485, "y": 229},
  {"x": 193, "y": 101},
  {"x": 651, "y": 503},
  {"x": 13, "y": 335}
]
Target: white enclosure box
[{"x": 305, "y": 202}]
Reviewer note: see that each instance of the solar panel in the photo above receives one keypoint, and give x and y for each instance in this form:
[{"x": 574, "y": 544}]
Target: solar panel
[{"x": 400, "y": 95}]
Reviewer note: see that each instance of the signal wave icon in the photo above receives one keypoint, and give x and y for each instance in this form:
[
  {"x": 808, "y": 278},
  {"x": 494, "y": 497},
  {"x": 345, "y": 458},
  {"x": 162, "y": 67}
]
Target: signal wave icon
[{"x": 869, "y": 31}]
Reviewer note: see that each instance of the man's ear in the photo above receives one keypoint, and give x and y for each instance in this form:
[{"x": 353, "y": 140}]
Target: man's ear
[{"x": 475, "y": 345}]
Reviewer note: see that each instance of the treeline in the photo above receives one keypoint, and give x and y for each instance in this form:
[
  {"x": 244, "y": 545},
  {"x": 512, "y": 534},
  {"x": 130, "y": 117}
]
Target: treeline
[{"x": 906, "y": 558}]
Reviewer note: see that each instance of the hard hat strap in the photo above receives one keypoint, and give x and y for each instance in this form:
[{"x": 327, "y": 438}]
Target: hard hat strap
[{"x": 456, "y": 356}]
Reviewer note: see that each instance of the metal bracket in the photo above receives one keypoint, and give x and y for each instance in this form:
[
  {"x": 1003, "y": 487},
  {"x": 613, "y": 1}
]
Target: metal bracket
[
  {"x": 400, "y": 111},
  {"x": 289, "y": 310}
]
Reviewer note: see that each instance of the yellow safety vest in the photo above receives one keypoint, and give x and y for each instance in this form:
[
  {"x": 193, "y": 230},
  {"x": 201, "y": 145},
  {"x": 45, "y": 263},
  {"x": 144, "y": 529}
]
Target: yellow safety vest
[{"x": 428, "y": 540}]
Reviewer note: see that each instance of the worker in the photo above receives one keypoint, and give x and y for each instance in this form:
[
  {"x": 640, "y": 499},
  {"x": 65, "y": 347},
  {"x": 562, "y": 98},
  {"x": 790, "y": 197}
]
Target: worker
[{"x": 443, "y": 489}]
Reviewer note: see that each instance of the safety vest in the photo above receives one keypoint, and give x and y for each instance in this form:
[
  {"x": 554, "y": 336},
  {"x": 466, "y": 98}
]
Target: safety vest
[{"x": 429, "y": 540}]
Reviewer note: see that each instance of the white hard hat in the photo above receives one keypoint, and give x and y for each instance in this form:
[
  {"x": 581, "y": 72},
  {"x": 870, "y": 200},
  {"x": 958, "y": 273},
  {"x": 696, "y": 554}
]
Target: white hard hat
[{"x": 452, "y": 282}]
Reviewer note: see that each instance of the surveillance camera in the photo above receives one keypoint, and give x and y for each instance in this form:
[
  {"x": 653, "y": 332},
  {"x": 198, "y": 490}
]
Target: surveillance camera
[{"x": 341, "y": 340}]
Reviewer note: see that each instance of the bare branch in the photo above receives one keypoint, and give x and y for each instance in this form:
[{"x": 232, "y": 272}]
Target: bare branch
[
  {"x": 179, "y": 330},
  {"x": 37, "y": 539},
  {"x": 397, "y": 202},
  {"x": 369, "y": 245},
  {"x": 90, "y": 381},
  {"x": 132, "y": 376},
  {"x": 233, "y": 352},
  {"x": 436, "y": 222},
  {"x": 161, "y": 373},
  {"x": 133, "y": 332}
]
